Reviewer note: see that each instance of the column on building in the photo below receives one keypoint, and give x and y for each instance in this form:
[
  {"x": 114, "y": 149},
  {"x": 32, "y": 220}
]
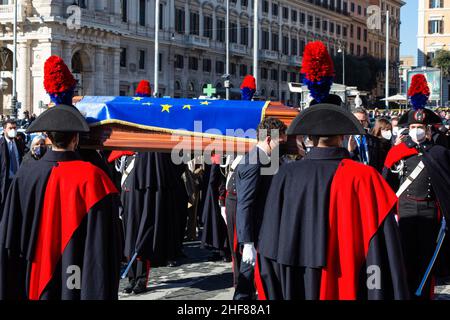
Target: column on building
[
  {"x": 23, "y": 76},
  {"x": 187, "y": 18},
  {"x": 116, "y": 70},
  {"x": 99, "y": 71}
]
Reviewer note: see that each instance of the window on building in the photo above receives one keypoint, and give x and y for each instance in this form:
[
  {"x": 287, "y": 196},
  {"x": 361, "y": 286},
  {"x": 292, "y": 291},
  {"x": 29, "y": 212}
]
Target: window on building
[
  {"x": 310, "y": 21},
  {"x": 206, "y": 65},
  {"x": 352, "y": 7},
  {"x": 244, "y": 3},
  {"x": 264, "y": 73},
  {"x": 233, "y": 32},
  {"x": 275, "y": 9},
  {"x": 294, "y": 47},
  {"x": 358, "y": 50},
  {"x": 243, "y": 70},
  {"x": 365, "y": 35},
  {"x": 160, "y": 62},
  {"x": 345, "y": 7},
  {"x": 80, "y": 3},
  {"x": 179, "y": 61},
  {"x": 142, "y": 12},
  {"x": 351, "y": 31},
  {"x": 325, "y": 25},
  {"x": 124, "y": 10},
  {"x": 344, "y": 31},
  {"x": 220, "y": 67},
  {"x": 123, "y": 57},
  {"x": 193, "y": 63},
  {"x": 285, "y": 45},
  {"x": 233, "y": 69},
  {"x": 302, "y": 46},
  {"x": 207, "y": 27},
  {"x": 359, "y": 10},
  {"x": 161, "y": 16},
  {"x": 435, "y": 26},
  {"x": 142, "y": 59},
  {"x": 293, "y": 77},
  {"x": 436, "y": 4},
  {"x": 352, "y": 48},
  {"x": 265, "y": 39},
  {"x": 331, "y": 27},
  {"x": 265, "y": 6},
  {"x": 244, "y": 35},
  {"x": 302, "y": 18},
  {"x": 220, "y": 30},
  {"x": 194, "y": 21},
  {"x": 294, "y": 15},
  {"x": 318, "y": 23},
  {"x": 285, "y": 13},
  {"x": 284, "y": 76},
  {"x": 179, "y": 20},
  {"x": 365, "y": 51},
  {"x": 275, "y": 40},
  {"x": 274, "y": 74},
  {"x": 358, "y": 33},
  {"x": 338, "y": 29}
]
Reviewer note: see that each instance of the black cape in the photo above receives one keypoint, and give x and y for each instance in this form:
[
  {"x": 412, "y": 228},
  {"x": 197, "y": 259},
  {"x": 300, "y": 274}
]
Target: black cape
[
  {"x": 155, "y": 208},
  {"x": 214, "y": 234},
  {"x": 41, "y": 248},
  {"x": 298, "y": 252}
]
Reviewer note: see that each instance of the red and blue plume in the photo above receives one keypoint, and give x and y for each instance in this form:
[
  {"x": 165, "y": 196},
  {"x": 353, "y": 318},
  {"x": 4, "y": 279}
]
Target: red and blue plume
[
  {"x": 143, "y": 89},
  {"x": 248, "y": 87},
  {"x": 318, "y": 70},
  {"x": 59, "y": 81},
  {"x": 418, "y": 91}
]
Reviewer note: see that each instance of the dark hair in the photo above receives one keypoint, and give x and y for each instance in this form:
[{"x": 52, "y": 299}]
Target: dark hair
[
  {"x": 361, "y": 110},
  {"x": 61, "y": 139},
  {"x": 269, "y": 124},
  {"x": 11, "y": 121},
  {"x": 330, "y": 141}
]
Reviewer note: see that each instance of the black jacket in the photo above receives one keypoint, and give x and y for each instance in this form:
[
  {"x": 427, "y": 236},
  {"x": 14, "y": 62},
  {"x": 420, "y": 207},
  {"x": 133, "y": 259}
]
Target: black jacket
[
  {"x": 4, "y": 165},
  {"x": 251, "y": 187}
]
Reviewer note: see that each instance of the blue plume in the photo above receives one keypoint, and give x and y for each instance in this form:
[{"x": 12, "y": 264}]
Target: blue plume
[
  {"x": 63, "y": 97},
  {"x": 247, "y": 94},
  {"x": 418, "y": 101},
  {"x": 319, "y": 90}
]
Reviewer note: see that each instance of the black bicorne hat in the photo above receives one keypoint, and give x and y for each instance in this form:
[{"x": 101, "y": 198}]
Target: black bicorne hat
[
  {"x": 325, "y": 120},
  {"x": 60, "y": 118},
  {"x": 421, "y": 116},
  {"x": 331, "y": 98}
]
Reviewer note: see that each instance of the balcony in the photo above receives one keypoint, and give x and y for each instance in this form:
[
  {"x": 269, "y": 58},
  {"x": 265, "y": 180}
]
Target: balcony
[
  {"x": 238, "y": 49},
  {"x": 268, "y": 55},
  {"x": 197, "y": 41},
  {"x": 7, "y": 12},
  {"x": 295, "y": 61}
]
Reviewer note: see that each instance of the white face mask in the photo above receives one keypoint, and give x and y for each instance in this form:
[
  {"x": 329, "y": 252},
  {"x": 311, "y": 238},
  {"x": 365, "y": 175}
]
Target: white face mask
[
  {"x": 417, "y": 135},
  {"x": 12, "y": 134},
  {"x": 386, "y": 134},
  {"x": 395, "y": 131}
]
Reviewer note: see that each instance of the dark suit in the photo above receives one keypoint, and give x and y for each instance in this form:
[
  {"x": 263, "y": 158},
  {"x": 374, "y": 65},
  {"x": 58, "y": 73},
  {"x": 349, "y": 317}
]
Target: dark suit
[
  {"x": 376, "y": 151},
  {"x": 5, "y": 179},
  {"x": 251, "y": 188}
]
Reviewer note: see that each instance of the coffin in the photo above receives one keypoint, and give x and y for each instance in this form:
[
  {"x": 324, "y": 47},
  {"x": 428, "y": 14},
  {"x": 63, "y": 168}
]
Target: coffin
[{"x": 118, "y": 134}]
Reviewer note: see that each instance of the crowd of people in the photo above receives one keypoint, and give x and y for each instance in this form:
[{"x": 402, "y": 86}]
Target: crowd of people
[{"x": 353, "y": 211}]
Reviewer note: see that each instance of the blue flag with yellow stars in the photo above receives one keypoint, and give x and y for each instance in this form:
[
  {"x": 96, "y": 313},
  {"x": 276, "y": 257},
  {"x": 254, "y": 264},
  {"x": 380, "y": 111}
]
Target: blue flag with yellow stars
[{"x": 232, "y": 118}]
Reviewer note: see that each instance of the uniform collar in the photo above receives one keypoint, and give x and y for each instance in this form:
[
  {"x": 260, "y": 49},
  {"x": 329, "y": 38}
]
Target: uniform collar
[
  {"x": 332, "y": 153},
  {"x": 58, "y": 156},
  {"x": 424, "y": 145}
]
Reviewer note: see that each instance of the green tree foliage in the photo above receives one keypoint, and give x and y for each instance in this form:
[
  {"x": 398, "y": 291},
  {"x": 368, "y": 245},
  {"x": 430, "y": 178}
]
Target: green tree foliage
[{"x": 442, "y": 60}]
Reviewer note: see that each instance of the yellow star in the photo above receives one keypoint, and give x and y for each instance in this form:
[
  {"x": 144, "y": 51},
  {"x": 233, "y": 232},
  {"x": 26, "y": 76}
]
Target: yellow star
[
  {"x": 188, "y": 106},
  {"x": 205, "y": 103},
  {"x": 166, "y": 107},
  {"x": 137, "y": 98}
]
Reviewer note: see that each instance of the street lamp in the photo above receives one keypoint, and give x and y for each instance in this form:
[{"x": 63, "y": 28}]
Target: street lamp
[{"x": 342, "y": 50}]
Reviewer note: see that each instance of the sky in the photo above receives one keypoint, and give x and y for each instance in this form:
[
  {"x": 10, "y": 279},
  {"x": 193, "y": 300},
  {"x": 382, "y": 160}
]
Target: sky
[{"x": 408, "y": 28}]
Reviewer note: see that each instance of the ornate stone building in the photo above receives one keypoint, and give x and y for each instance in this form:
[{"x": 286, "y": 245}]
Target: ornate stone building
[{"x": 110, "y": 47}]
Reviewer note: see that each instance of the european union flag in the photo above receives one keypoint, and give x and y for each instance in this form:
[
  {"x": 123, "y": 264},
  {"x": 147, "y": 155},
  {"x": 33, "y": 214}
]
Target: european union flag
[{"x": 179, "y": 116}]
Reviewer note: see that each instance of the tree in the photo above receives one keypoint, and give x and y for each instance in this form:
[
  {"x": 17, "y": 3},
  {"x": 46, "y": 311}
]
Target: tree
[{"x": 442, "y": 60}]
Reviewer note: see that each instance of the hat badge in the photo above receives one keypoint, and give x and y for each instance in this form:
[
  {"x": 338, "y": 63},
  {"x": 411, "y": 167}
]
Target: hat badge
[{"x": 419, "y": 115}]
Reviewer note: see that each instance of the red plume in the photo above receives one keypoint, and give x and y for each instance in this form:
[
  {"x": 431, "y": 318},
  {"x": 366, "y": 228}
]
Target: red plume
[
  {"x": 249, "y": 82},
  {"x": 57, "y": 76},
  {"x": 317, "y": 62},
  {"x": 144, "y": 89},
  {"x": 419, "y": 85}
]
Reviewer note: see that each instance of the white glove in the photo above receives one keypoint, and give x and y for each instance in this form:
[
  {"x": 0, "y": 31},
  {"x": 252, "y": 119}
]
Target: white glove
[
  {"x": 249, "y": 253},
  {"x": 224, "y": 214}
]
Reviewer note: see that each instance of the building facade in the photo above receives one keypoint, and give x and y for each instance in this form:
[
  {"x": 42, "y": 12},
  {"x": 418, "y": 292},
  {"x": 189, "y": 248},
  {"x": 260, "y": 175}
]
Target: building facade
[{"x": 109, "y": 45}]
